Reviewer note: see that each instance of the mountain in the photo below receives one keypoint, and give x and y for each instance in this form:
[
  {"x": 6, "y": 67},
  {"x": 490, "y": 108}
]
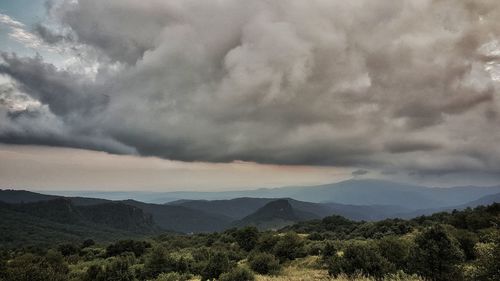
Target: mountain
[
  {"x": 172, "y": 218},
  {"x": 235, "y": 209},
  {"x": 60, "y": 220},
  {"x": 23, "y": 196},
  {"x": 275, "y": 215},
  {"x": 483, "y": 201},
  {"x": 183, "y": 219},
  {"x": 350, "y": 192}
]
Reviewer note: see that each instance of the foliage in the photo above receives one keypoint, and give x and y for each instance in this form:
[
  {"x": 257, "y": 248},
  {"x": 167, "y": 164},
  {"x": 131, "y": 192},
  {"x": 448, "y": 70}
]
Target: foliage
[
  {"x": 237, "y": 274},
  {"x": 247, "y": 237},
  {"x": 264, "y": 263},
  {"x": 436, "y": 255},
  {"x": 218, "y": 263},
  {"x": 289, "y": 247},
  {"x": 30, "y": 267},
  {"x": 122, "y": 246},
  {"x": 173, "y": 276},
  {"x": 116, "y": 269},
  {"x": 360, "y": 259}
]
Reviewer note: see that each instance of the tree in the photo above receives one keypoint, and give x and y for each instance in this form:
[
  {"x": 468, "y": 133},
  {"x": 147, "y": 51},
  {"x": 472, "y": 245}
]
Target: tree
[
  {"x": 267, "y": 241},
  {"x": 360, "y": 259},
  {"x": 247, "y": 237},
  {"x": 488, "y": 261},
  {"x": 29, "y": 267},
  {"x": 68, "y": 249},
  {"x": 119, "y": 269},
  {"x": 136, "y": 247},
  {"x": 218, "y": 263},
  {"x": 395, "y": 250},
  {"x": 156, "y": 263},
  {"x": 237, "y": 274},
  {"x": 436, "y": 255},
  {"x": 289, "y": 247},
  {"x": 87, "y": 243},
  {"x": 264, "y": 263}
]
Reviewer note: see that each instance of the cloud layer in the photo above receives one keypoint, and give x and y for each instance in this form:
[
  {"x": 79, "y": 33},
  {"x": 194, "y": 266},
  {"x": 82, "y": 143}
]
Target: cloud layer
[{"x": 407, "y": 86}]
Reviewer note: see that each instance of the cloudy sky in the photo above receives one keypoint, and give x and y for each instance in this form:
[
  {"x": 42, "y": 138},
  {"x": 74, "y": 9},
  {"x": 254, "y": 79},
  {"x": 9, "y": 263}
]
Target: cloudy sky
[{"x": 195, "y": 94}]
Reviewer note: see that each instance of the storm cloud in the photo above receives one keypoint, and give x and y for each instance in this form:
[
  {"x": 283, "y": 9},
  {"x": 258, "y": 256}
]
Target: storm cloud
[{"x": 387, "y": 85}]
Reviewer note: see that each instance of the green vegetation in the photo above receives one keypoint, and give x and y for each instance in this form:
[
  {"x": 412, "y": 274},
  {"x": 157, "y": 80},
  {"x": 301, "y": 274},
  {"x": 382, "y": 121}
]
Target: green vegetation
[{"x": 462, "y": 246}]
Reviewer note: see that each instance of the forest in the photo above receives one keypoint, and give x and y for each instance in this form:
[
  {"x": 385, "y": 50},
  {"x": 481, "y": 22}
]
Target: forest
[{"x": 457, "y": 245}]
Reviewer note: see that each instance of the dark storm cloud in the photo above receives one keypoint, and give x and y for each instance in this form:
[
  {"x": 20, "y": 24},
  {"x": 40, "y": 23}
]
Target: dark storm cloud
[
  {"x": 403, "y": 146},
  {"x": 406, "y": 85},
  {"x": 360, "y": 172},
  {"x": 62, "y": 91}
]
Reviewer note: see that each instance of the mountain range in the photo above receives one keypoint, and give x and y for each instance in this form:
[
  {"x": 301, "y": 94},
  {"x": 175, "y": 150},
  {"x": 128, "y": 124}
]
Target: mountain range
[
  {"x": 349, "y": 192},
  {"x": 368, "y": 200}
]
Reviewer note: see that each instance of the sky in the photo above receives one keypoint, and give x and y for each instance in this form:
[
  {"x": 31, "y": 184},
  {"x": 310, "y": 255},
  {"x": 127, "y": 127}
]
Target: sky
[{"x": 166, "y": 95}]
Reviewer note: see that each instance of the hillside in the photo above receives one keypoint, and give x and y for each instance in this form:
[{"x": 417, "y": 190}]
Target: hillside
[
  {"x": 364, "y": 192},
  {"x": 60, "y": 220},
  {"x": 274, "y": 215},
  {"x": 182, "y": 219},
  {"x": 173, "y": 218},
  {"x": 22, "y": 196}
]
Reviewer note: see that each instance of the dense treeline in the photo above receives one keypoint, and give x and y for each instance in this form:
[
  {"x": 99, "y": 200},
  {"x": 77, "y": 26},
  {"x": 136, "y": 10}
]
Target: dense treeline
[{"x": 462, "y": 245}]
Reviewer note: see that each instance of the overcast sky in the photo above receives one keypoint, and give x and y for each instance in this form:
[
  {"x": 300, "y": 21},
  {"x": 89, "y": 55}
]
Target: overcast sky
[{"x": 196, "y": 94}]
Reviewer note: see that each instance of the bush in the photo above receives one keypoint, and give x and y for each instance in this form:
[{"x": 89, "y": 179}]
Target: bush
[
  {"x": 360, "y": 259},
  {"x": 247, "y": 237},
  {"x": 136, "y": 247},
  {"x": 68, "y": 249},
  {"x": 218, "y": 263},
  {"x": 267, "y": 241},
  {"x": 487, "y": 265},
  {"x": 395, "y": 250},
  {"x": 29, "y": 267},
  {"x": 173, "y": 276},
  {"x": 264, "y": 263},
  {"x": 160, "y": 261},
  {"x": 289, "y": 247},
  {"x": 436, "y": 255},
  {"x": 87, "y": 243},
  {"x": 237, "y": 274}
]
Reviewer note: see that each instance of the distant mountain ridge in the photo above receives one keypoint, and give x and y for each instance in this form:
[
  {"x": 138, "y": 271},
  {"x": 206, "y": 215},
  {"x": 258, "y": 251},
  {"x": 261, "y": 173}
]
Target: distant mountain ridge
[{"x": 349, "y": 192}]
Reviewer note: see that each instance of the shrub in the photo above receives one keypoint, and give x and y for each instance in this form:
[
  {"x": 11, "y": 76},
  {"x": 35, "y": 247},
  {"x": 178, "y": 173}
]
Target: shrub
[
  {"x": 289, "y": 247},
  {"x": 247, "y": 237},
  {"x": 359, "y": 259},
  {"x": 173, "y": 276},
  {"x": 395, "y": 250},
  {"x": 237, "y": 274},
  {"x": 218, "y": 263},
  {"x": 119, "y": 269},
  {"x": 68, "y": 249},
  {"x": 136, "y": 247},
  {"x": 436, "y": 255},
  {"x": 264, "y": 263},
  {"x": 160, "y": 261},
  {"x": 87, "y": 243},
  {"x": 29, "y": 267},
  {"x": 267, "y": 241},
  {"x": 487, "y": 265}
]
